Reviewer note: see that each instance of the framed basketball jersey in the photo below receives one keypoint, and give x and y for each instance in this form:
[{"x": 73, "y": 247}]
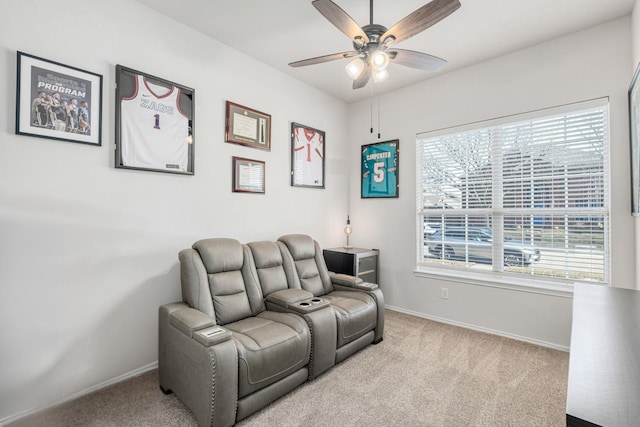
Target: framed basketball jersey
[
  {"x": 379, "y": 170},
  {"x": 154, "y": 123}
]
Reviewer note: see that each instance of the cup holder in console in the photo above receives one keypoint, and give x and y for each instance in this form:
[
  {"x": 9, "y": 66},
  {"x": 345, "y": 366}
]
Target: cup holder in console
[{"x": 310, "y": 304}]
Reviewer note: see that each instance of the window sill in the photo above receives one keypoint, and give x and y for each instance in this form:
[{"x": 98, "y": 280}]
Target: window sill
[{"x": 496, "y": 280}]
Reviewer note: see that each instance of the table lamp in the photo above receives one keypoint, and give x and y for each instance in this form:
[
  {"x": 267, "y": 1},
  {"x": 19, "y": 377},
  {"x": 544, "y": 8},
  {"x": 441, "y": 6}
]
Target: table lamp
[{"x": 347, "y": 231}]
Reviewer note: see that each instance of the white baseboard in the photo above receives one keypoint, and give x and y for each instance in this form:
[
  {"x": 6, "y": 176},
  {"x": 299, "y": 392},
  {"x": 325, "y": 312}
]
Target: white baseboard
[
  {"x": 104, "y": 384},
  {"x": 479, "y": 328}
]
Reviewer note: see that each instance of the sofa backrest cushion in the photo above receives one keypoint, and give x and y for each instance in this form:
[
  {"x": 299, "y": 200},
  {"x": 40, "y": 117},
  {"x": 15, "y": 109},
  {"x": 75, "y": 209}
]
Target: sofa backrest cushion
[
  {"x": 195, "y": 282},
  {"x": 232, "y": 288},
  {"x": 268, "y": 261},
  {"x": 307, "y": 268}
]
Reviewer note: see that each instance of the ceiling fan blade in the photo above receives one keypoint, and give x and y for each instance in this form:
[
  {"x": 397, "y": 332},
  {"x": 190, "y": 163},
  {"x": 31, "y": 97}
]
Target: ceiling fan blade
[
  {"x": 419, "y": 60},
  {"x": 363, "y": 78},
  {"x": 421, "y": 19},
  {"x": 340, "y": 19},
  {"x": 324, "y": 58}
]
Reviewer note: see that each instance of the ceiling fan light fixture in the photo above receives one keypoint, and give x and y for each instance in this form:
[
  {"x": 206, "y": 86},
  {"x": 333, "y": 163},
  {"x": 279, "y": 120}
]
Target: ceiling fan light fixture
[
  {"x": 354, "y": 68},
  {"x": 379, "y": 60},
  {"x": 379, "y": 75},
  {"x": 372, "y": 42}
]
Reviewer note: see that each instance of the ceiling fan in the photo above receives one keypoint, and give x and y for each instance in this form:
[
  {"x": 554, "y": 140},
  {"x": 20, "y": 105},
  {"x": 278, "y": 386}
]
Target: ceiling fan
[{"x": 374, "y": 44}]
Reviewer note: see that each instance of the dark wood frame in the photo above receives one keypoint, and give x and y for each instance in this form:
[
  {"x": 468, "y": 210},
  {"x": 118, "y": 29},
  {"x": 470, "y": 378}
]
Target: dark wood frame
[
  {"x": 390, "y": 175},
  {"x": 125, "y": 87},
  {"x": 238, "y": 186},
  {"x": 262, "y": 127},
  {"x": 38, "y": 75},
  {"x": 298, "y": 179}
]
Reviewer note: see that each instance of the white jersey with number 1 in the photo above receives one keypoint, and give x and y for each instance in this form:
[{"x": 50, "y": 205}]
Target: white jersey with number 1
[
  {"x": 308, "y": 157},
  {"x": 154, "y": 130}
]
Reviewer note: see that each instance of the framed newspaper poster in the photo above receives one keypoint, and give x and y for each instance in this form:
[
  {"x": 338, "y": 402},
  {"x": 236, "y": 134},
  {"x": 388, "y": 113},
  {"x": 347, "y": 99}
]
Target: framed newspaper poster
[
  {"x": 58, "y": 101},
  {"x": 380, "y": 162},
  {"x": 246, "y": 126},
  {"x": 307, "y": 156},
  {"x": 154, "y": 123}
]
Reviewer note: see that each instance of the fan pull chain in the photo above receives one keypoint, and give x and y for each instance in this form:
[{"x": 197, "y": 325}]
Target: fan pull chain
[
  {"x": 371, "y": 106},
  {"x": 371, "y": 110},
  {"x": 378, "y": 117}
]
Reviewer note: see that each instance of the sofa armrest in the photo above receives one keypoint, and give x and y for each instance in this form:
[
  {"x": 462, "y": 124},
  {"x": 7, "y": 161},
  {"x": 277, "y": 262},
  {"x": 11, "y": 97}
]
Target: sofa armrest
[
  {"x": 366, "y": 286},
  {"x": 344, "y": 279},
  {"x": 351, "y": 282},
  {"x": 212, "y": 336},
  {"x": 197, "y": 325},
  {"x": 198, "y": 361},
  {"x": 189, "y": 320}
]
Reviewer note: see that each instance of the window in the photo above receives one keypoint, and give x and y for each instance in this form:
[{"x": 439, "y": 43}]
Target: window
[{"x": 526, "y": 195}]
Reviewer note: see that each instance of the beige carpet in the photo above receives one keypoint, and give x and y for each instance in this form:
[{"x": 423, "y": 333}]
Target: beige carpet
[{"x": 424, "y": 373}]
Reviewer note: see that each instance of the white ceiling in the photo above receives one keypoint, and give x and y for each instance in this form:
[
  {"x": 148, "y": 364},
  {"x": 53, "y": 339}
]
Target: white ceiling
[{"x": 278, "y": 32}]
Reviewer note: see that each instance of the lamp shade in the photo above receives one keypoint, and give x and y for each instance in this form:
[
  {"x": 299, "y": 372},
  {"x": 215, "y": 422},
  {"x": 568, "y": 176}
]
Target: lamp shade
[
  {"x": 379, "y": 60},
  {"x": 380, "y": 75},
  {"x": 354, "y": 68}
]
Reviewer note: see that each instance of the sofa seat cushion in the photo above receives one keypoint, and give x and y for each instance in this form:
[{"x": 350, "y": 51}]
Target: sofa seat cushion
[
  {"x": 356, "y": 314},
  {"x": 270, "y": 346}
]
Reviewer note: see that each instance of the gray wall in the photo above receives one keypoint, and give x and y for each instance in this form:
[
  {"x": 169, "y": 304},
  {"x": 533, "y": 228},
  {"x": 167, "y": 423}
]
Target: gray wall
[
  {"x": 581, "y": 66},
  {"x": 89, "y": 252}
]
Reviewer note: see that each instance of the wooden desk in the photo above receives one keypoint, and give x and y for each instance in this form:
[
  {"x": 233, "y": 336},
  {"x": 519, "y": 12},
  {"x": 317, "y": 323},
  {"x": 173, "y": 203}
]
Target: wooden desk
[{"x": 604, "y": 363}]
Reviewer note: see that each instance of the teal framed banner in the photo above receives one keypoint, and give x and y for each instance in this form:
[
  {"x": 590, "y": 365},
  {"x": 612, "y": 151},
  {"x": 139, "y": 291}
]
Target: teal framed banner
[{"x": 380, "y": 163}]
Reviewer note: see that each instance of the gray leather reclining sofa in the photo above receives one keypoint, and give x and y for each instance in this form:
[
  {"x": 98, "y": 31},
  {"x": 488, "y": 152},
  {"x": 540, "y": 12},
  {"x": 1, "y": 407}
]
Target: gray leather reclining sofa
[{"x": 257, "y": 321}]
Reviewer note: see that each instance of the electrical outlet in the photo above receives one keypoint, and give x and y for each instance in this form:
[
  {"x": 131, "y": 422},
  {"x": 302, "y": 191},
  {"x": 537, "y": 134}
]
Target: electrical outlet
[{"x": 445, "y": 293}]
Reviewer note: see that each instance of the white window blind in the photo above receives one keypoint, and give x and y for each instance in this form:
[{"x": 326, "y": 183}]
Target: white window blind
[{"x": 524, "y": 195}]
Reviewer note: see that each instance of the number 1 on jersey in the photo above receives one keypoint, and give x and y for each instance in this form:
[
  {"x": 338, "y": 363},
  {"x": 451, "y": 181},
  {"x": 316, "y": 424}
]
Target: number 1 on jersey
[{"x": 157, "y": 117}]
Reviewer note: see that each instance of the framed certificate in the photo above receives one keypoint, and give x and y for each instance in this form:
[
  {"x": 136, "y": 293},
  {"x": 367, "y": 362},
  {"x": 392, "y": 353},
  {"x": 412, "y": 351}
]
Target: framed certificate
[
  {"x": 380, "y": 162},
  {"x": 246, "y": 126},
  {"x": 248, "y": 175},
  {"x": 307, "y": 156},
  {"x": 57, "y": 101},
  {"x": 154, "y": 123}
]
